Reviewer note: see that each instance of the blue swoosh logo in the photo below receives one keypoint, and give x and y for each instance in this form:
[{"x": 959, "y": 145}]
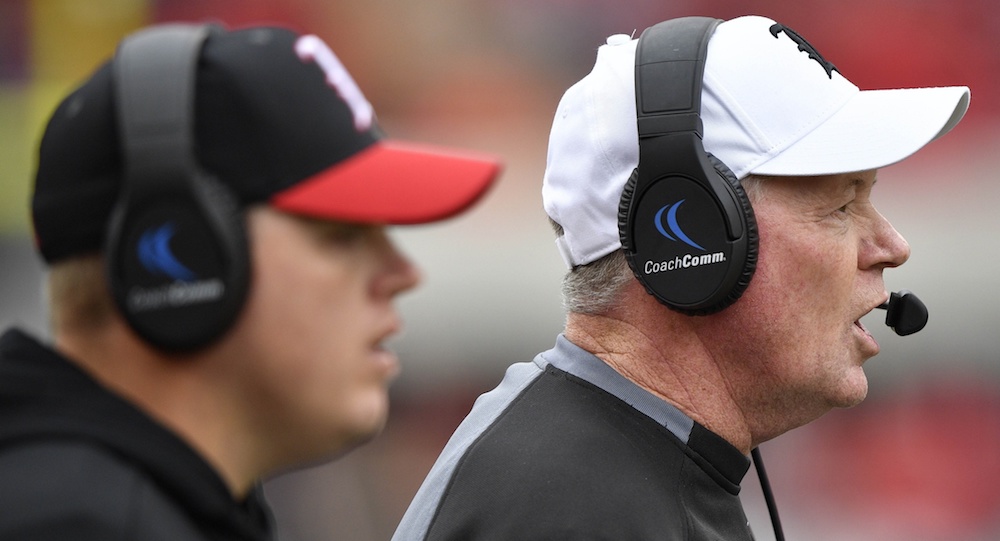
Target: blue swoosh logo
[
  {"x": 155, "y": 255},
  {"x": 675, "y": 228}
]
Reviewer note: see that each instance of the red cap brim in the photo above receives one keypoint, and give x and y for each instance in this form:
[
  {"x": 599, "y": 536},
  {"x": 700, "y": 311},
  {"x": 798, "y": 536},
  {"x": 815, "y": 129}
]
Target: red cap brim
[{"x": 392, "y": 182}]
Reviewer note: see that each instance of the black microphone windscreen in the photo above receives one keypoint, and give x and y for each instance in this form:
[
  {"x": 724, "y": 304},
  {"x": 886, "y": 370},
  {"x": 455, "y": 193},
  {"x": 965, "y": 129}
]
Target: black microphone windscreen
[{"x": 905, "y": 313}]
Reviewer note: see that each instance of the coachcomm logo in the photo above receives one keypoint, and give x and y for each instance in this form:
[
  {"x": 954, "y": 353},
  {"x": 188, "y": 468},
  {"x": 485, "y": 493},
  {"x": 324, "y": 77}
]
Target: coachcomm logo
[
  {"x": 155, "y": 255},
  {"x": 676, "y": 234}
]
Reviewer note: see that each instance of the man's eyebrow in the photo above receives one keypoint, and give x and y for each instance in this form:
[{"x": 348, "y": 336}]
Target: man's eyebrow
[{"x": 860, "y": 181}]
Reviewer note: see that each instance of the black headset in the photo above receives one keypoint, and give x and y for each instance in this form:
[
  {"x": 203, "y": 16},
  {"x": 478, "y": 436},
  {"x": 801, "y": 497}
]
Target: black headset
[
  {"x": 176, "y": 247},
  {"x": 687, "y": 228}
]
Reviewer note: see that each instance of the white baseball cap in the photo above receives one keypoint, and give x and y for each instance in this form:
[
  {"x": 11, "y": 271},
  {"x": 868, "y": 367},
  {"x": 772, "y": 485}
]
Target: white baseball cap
[{"x": 770, "y": 105}]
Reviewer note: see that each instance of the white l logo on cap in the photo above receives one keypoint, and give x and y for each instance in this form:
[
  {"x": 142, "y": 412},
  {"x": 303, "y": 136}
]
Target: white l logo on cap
[{"x": 311, "y": 48}]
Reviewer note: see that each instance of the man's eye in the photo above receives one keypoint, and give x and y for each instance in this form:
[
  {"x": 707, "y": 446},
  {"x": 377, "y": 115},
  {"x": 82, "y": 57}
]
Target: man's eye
[
  {"x": 338, "y": 232},
  {"x": 345, "y": 233}
]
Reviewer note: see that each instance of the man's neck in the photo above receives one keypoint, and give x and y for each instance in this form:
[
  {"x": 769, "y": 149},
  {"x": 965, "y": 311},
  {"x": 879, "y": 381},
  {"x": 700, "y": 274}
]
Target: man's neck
[
  {"x": 173, "y": 391},
  {"x": 661, "y": 352}
]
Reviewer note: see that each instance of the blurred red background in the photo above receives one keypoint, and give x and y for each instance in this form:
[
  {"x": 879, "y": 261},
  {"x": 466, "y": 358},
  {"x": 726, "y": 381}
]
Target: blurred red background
[{"x": 918, "y": 461}]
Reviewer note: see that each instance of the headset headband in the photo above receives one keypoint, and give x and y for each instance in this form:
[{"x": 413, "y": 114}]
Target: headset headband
[
  {"x": 155, "y": 78},
  {"x": 670, "y": 65}
]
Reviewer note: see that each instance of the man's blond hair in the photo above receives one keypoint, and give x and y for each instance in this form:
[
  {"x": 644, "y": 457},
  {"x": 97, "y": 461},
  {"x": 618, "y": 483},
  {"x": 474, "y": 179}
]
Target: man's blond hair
[{"x": 78, "y": 294}]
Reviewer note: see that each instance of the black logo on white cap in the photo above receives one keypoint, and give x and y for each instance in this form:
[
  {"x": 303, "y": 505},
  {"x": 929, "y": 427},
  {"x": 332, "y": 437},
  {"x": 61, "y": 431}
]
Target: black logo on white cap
[{"x": 805, "y": 46}]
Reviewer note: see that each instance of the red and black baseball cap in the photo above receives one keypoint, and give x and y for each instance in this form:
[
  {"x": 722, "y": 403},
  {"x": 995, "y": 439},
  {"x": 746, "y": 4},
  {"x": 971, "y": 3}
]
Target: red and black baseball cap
[{"x": 279, "y": 120}]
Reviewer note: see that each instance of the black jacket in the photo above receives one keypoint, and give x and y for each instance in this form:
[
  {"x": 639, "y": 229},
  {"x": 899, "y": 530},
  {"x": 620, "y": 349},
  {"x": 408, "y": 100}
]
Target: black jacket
[
  {"x": 78, "y": 462},
  {"x": 567, "y": 448}
]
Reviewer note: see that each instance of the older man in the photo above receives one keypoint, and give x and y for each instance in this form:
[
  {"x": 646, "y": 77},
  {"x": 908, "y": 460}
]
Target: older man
[{"x": 710, "y": 185}]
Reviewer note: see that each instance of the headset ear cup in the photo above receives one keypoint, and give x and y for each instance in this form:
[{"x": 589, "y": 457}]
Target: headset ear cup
[
  {"x": 625, "y": 229},
  {"x": 750, "y": 263},
  {"x": 178, "y": 263},
  {"x": 624, "y": 204}
]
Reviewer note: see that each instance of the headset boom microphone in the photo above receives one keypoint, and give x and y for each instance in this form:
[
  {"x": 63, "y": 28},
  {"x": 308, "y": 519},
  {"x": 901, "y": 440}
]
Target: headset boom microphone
[{"x": 905, "y": 313}]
